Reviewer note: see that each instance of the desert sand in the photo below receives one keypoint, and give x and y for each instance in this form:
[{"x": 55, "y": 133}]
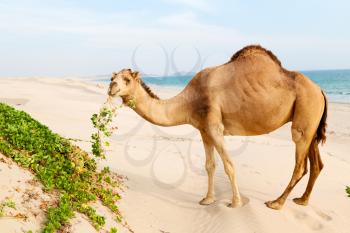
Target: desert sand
[{"x": 166, "y": 174}]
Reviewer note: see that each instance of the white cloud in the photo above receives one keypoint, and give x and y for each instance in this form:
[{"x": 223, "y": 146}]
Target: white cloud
[
  {"x": 182, "y": 19},
  {"x": 201, "y": 5}
]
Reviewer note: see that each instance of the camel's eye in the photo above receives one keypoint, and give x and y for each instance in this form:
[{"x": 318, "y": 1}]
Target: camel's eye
[{"x": 127, "y": 80}]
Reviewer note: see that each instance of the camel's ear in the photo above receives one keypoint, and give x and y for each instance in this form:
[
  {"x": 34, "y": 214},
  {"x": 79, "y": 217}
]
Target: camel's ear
[
  {"x": 113, "y": 75},
  {"x": 136, "y": 75}
]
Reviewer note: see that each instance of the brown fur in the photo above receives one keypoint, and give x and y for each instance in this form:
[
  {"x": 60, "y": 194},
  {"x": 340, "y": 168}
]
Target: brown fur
[
  {"x": 252, "y": 94},
  {"x": 148, "y": 90},
  {"x": 321, "y": 130},
  {"x": 248, "y": 50}
]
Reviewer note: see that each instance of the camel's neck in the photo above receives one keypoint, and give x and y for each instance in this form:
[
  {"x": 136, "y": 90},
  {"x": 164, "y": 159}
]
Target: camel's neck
[{"x": 170, "y": 112}]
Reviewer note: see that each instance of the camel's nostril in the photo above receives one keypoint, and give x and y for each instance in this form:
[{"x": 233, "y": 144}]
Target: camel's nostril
[{"x": 112, "y": 89}]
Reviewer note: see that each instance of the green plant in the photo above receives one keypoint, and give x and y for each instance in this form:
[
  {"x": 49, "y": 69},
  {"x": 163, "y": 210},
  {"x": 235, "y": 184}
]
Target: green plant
[
  {"x": 7, "y": 203},
  {"x": 131, "y": 103},
  {"x": 10, "y": 204},
  {"x": 113, "y": 230},
  {"x": 58, "y": 165},
  {"x": 348, "y": 190},
  {"x": 101, "y": 123}
]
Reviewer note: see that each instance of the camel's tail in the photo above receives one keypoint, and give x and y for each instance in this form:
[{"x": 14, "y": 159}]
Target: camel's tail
[{"x": 321, "y": 130}]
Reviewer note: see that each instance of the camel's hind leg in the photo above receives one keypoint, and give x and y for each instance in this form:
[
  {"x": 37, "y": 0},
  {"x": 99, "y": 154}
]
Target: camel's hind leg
[
  {"x": 302, "y": 147},
  {"x": 316, "y": 166},
  {"x": 309, "y": 110}
]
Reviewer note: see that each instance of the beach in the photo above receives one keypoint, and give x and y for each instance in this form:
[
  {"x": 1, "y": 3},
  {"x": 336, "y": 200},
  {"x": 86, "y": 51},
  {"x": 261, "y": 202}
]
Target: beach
[{"x": 165, "y": 171}]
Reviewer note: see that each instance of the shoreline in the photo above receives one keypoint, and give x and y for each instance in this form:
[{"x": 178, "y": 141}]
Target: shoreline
[{"x": 173, "y": 88}]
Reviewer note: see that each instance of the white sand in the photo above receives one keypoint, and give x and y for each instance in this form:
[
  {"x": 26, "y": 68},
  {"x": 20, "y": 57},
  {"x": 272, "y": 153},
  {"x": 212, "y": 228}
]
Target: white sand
[{"x": 165, "y": 168}]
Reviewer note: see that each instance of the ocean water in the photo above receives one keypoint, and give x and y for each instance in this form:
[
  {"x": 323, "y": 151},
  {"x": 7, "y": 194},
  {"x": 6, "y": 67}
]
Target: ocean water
[{"x": 336, "y": 83}]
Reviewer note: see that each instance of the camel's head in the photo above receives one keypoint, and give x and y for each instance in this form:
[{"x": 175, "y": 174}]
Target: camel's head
[{"x": 123, "y": 83}]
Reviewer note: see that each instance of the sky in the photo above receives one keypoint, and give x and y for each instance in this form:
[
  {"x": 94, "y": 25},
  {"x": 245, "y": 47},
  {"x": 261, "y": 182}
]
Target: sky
[{"x": 162, "y": 37}]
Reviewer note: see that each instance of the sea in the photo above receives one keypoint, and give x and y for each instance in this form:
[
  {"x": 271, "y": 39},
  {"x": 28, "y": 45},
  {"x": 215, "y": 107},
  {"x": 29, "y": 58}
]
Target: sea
[{"x": 336, "y": 83}]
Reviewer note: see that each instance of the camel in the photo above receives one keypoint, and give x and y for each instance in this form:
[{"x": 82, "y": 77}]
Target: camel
[{"x": 251, "y": 94}]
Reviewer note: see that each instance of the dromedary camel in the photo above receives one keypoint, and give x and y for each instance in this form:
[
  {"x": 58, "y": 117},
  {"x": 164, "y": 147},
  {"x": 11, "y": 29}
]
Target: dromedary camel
[{"x": 251, "y": 94}]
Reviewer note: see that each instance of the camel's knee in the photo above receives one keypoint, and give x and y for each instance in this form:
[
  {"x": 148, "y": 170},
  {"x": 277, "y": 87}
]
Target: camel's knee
[{"x": 210, "y": 166}]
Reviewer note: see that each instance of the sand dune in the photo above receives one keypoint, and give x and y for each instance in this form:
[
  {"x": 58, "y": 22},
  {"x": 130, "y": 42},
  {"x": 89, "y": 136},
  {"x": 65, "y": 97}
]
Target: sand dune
[
  {"x": 165, "y": 167},
  {"x": 20, "y": 186},
  {"x": 14, "y": 101}
]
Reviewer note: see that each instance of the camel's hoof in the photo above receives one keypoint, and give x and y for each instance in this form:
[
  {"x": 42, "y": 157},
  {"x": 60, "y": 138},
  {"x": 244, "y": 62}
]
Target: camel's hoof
[
  {"x": 274, "y": 205},
  {"x": 235, "y": 204},
  {"x": 207, "y": 201},
  {"x": 300, "y": 201}
]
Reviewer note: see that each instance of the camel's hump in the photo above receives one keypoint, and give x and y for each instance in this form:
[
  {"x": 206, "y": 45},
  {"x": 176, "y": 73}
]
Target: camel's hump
[{"x": 250, "y": 49}]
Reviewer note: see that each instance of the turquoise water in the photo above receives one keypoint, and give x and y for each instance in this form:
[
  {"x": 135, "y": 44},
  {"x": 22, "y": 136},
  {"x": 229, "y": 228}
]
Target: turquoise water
[{"x": 336, "y": 83}]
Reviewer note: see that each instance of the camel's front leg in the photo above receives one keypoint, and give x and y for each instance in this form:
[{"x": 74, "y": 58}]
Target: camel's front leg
[
  {"x": 210, "y": 167},
  {"x": 217, "y": 136}
]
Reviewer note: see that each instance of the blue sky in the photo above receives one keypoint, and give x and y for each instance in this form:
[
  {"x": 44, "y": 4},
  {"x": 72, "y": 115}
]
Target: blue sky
[{"x": 81, "y": 38}]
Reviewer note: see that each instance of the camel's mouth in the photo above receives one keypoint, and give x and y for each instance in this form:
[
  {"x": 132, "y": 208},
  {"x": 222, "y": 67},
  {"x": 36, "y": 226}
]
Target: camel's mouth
[{"x": 112, "y": 92}]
